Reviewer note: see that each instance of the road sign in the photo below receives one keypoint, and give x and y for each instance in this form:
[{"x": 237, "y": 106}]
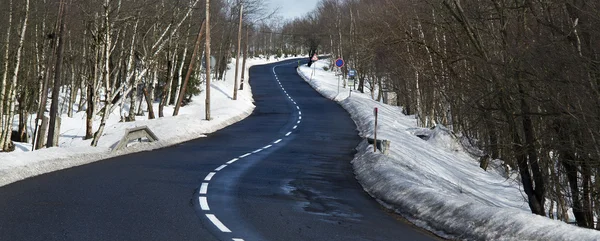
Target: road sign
[
  {"x": 352, "y": 73},
  {"x": 315, "y": 58},
  {"x": 339, "y": 62}
]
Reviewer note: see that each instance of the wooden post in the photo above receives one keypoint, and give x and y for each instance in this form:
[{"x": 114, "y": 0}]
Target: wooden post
[
  {"x": 245, "y": 57},
  {"x": 375, "y": 132},
  {"x": 237, "y": 59},
  {"x": 207, "y": 106}
]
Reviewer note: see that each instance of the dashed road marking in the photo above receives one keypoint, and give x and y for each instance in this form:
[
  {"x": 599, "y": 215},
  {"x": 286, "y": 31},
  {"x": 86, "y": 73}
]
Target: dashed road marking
[
  {"x": 203, "y": 200},
  {"x": 218, "y": 223},
  {"x": 204, "y": 188},
  {"x": 204, "y": 203},
  {"x": 209, "y": 176},
  {"x": 221, "y": 168}
]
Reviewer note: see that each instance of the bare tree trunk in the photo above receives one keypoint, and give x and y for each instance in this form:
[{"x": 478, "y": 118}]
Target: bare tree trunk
[
  {"x": 172, "y": 63},
  {"x": 149, "y": 94},
  {"x": 74, "y": 90},
  {"x": 180, "y": 73},
  {"x": 131, "y": 71},
  {"x": 207, "y": 104},
  {"x": 89, "y": 119},
  {"x": 57, "y": 79},
  {"x": 3, "y": 88},
  {"x": 191, "y": 67},
  {"x": 13, "y": 86},
  {"x": 106, "y": 73},
  {"x": 149, "y": 103}
]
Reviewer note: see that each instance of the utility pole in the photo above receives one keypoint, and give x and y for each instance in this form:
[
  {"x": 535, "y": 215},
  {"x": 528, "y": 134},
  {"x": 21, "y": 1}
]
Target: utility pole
[
  {"x": 245, "y": 57},
  {"x": 207, "y": 107},
  {"x": 57, "y": 72},
  {"x": 237, "y": 59}
]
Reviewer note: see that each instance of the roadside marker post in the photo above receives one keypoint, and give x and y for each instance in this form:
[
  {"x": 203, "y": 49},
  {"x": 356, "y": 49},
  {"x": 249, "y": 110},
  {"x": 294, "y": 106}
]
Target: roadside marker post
[
  {"x": 314, "y": 59},
  {"x": 375, "y": 132}
]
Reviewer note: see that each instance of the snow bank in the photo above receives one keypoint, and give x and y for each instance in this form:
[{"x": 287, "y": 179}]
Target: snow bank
[
  {"x": 188, "y": 125},
  {"x": 433, "y": 182}
]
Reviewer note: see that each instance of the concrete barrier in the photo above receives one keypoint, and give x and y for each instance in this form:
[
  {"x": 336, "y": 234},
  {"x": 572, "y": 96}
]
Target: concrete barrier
[{"x": 135, "y": 133}]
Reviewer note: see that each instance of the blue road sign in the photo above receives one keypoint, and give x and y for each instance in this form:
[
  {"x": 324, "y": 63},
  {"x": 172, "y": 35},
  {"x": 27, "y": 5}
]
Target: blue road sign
[
  {"x": 339, "y": 62},
  {"x": 352, "y": 73}
]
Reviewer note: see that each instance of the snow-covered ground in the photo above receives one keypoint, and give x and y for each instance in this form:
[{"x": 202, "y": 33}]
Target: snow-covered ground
[
  {"x": 434, "y": 183},
  {"x": 188, "y": 125}
]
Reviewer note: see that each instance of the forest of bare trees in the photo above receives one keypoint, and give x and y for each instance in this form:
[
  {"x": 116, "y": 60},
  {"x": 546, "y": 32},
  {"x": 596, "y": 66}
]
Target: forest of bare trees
[
  {"x": 520, "y": 79},
  {"x": 60, "y": 57}
]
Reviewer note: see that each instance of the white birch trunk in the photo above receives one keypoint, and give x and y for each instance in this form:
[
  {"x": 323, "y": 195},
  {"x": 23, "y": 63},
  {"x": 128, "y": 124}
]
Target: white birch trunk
[
  {"x": 3, "y": 88},
  {"x": 180, "y": 74},
  {"x": 171, "y": 75},
  {"x": 13, "y": 84},
  {"x": 105, "y": 73}
]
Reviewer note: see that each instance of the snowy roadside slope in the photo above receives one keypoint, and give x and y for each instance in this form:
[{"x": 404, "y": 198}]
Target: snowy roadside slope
[
  {"x": 188, "y": 125},
  {"x": 432, "y": 183}
]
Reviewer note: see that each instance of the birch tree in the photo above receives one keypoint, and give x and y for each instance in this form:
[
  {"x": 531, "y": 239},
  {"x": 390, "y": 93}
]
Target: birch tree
[{"x": 8, "y": 145}]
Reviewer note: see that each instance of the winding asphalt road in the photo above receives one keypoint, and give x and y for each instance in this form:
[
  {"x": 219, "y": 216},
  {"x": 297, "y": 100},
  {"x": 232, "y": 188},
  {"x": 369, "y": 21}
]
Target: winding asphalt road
[{"x": 283, "y": 173}]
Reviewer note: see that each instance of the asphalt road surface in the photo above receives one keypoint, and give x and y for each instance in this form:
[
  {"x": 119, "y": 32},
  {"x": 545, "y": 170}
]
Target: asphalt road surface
[{"x": 283, "y": 173}]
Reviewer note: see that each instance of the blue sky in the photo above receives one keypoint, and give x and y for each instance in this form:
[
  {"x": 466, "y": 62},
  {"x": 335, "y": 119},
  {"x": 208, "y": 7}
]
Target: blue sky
[{"x": 290, "y": 9}]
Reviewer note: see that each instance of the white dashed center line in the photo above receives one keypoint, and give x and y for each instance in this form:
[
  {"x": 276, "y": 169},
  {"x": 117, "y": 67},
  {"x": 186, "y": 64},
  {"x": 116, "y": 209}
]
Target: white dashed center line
[
  {"x": 209, "y": 176},
  {"x": 204, "y": 203},
  {"x": 203, "y": 200},
  {"x": 221, "y": 168},
  {"x": 218, "y": 223},
  {"x": 204, "y": 188}
]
